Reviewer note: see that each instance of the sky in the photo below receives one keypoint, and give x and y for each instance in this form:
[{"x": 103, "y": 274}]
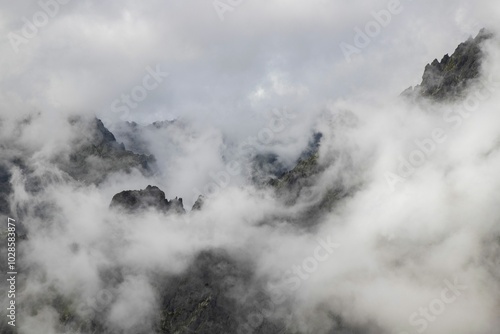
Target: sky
[
  {"x": 225, "y": 66},
  {"x": 271, "y": 72}
]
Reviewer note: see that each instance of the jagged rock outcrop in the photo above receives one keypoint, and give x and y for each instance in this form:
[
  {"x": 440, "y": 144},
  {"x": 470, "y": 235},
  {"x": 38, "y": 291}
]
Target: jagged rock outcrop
[
  {"x": 447, "y": 79},
  {"x": 152, "y": 197},
  {"x": 97, "y": 154},
  {"x": 198, "y": 204}
]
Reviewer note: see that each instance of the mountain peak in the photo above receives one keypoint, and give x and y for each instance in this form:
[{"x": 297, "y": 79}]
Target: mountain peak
[
  {"x": 447, "y": 79},
  {"x": 150, "y": 197}
]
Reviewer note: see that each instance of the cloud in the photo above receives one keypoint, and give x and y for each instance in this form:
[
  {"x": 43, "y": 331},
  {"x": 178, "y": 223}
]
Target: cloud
[{"x": 400, "y": 243}]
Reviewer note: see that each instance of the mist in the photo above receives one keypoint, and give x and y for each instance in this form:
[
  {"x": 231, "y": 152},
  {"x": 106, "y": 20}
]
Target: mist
[{"x": 219, "y": 101}]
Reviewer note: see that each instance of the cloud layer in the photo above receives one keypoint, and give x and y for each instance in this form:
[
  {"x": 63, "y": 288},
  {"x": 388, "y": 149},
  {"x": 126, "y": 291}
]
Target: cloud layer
[{"x": 416, "y": 239}]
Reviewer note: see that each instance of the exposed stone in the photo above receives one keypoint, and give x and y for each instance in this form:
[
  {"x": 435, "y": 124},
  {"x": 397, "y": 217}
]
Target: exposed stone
[
  {"x": 151, "y": 197},
  {"x": 98, "y": 154},
  {"x": 449, "y": 78},
  {"x": 215, "y": 295}
]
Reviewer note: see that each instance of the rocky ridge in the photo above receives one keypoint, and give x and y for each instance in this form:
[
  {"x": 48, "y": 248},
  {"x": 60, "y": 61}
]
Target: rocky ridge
[{"x": 449, "y": 78}]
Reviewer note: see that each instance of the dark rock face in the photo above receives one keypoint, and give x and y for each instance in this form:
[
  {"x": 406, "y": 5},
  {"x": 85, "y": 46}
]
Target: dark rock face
[
  {"x": 94, "y": 155},
  {"x": 263, "y": 167},
  {"x": 448, "y": 78},
  {"x": 130, "y": 133},
  {"x": 266, "y": 168},
  {"x": 135, "y": 136},
  {"x": 294, "y": 187},
  {"x": 217, "y": 293},
  {"x": 214, "y": 296},
  {"x": 98, "y": 154},
  {"x": 306, "y": 167},
  {"x": 198, "y": 204},
  {"x": 151, "y": 197}
]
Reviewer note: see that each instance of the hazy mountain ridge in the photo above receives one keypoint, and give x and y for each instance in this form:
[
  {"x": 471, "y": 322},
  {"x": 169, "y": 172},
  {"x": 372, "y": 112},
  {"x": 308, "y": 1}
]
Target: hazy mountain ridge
[
  {"x": 449, "y": 78},
  {"x": 99, "y": 154},
  {"x": 93, "y": 156}
]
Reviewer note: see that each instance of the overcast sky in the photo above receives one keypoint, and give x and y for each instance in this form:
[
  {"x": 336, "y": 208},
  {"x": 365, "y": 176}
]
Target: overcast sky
[{"x": 225, "y": 66}]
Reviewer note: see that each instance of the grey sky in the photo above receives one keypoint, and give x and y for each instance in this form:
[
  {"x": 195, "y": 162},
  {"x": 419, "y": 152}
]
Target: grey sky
[{"x": 264, "y": 54}]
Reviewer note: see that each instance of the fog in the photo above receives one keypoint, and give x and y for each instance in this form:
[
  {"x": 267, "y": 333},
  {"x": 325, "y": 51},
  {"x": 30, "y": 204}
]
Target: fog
[{"x": 420, "y": 212}]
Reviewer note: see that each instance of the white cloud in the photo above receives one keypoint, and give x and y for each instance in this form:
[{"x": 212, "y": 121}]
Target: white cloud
[{"x": 226, "y": 80}]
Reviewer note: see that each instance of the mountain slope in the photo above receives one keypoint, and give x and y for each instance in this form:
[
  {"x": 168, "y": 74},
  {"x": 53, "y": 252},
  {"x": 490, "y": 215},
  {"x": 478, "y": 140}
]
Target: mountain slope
[{"x": 447, "y": 79}]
